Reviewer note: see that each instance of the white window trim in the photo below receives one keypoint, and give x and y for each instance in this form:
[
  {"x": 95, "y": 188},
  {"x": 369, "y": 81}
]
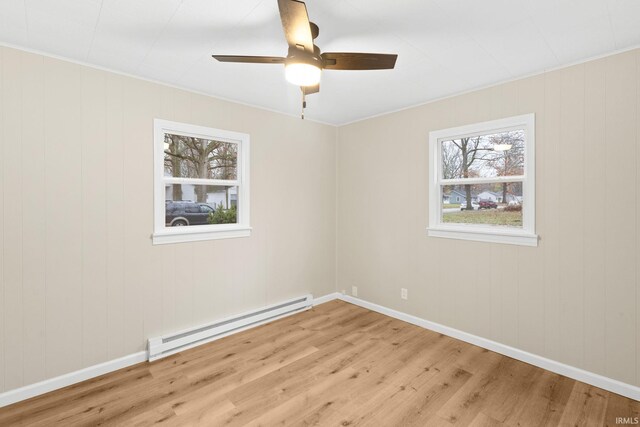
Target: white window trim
[
  {"x": 162, "y": 234},
  {"x": 524, "y": 236}
]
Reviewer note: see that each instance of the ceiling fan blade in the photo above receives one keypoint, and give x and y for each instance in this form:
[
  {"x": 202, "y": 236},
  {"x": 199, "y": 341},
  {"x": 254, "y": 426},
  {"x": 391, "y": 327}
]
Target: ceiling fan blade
[
  {"x": 250, "y": 59},
  {"x": 308, "y": 90},
  {"x": 358, "y": 61},
  {"x": 295, "y": 22}
]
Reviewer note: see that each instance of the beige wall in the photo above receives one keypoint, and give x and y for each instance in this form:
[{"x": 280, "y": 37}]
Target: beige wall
[
  {"x": 80, "y": 282},
  {"x": 574, "y": 298}
]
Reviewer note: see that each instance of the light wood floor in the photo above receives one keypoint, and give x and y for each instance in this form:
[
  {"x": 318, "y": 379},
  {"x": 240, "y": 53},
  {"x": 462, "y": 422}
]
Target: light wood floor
[{"x": 335, "y": 365}]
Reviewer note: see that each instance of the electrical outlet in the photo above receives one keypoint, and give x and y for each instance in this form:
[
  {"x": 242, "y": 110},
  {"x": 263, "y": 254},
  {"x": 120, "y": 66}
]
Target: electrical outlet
[
  {"x": 354, "y": 291},
  {"x": 404, "y": 294},
  {"x": 344, "y": 291}
]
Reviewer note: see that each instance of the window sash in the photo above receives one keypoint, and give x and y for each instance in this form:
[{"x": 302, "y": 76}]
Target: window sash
[
  {"x": 483, "y": 179},
  {"x": 480, "y": 130},
  {"x": 479, "y": 232},
  {"x": 499, "y": 230},
  {"x": 240, "y": 213},
  {"x": 222, "y": 136},
  {"x": 163, "y": 234},
  {"x": 208, "y": 136}
]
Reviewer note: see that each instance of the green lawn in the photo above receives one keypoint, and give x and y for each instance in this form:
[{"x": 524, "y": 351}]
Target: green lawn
[
  {"x": 450, "y": 205},
  {"x": 488, "y": 216}
]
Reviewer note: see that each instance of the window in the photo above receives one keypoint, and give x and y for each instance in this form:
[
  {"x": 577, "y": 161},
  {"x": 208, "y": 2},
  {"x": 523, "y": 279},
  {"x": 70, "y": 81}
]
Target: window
[
  {"x": 201, "y": 183},
  {"x": 482, "y": 182}
]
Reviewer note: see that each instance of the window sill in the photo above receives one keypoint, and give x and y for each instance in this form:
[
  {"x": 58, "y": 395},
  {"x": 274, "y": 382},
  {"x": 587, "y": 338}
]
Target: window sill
[
  {"x": 175, "y": 236},
  {"x": 481, "y": 235}
]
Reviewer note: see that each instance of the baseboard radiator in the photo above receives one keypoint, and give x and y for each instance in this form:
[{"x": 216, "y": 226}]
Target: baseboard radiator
[{"x": 173, "y": 343}]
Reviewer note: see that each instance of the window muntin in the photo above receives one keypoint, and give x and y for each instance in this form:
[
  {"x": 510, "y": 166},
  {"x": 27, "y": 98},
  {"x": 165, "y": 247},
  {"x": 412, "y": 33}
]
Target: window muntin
[
  {"x": 482, "y": 181},
  {"x": 201, "y": 183}
]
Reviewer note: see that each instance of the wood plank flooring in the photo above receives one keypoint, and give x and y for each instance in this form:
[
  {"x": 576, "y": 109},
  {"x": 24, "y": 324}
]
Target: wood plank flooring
[{"x": 334, "y": 365}]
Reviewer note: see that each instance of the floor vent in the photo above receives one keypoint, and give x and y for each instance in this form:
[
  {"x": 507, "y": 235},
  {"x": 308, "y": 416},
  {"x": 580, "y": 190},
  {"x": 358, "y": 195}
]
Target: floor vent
[{"x": 169, "y": 344}]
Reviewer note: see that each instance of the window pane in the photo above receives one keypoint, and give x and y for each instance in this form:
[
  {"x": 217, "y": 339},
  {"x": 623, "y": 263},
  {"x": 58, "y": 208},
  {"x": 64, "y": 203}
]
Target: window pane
[
  {"x": 483, "y": 204},
  {"x": 484, "y": 156},
  {"x": 191, "y": 204},
  {"x": 188, "y": 157}
]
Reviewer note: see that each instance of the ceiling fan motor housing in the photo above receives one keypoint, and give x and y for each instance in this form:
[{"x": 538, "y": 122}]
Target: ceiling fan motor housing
[{"x": 301, "y": 56}]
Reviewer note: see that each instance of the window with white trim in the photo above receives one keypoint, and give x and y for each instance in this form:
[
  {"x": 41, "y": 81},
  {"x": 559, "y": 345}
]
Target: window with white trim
[
  {"x": 201, "y": 183},
  {"x": 482, "y": 182}
]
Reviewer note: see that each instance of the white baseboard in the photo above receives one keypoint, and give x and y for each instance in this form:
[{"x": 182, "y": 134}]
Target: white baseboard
[
  {"x": 628, "y": 390},
  {"x": 327, "y": 298},
  {"x": 615, "y": 386},
  {"x": 32, "y": 390}
]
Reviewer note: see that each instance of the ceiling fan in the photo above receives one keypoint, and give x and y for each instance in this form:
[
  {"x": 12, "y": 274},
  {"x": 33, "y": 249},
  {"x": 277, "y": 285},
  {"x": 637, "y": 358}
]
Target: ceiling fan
[{"x": 304, "y": 62}]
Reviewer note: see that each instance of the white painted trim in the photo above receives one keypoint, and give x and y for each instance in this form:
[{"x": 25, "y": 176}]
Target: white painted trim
[
  {"x": 32, "y": 390},
  {"x": 494, "y": 84},
  {"x": 520, "y": 239},
  {"x": 310, "y": 119},
  {"x": 615, "y": 386},
  {"x": 42, "y": 387},
  {"x": 162, "y": 238},
  {"x": 295, "y": 115},
  {"x": 326, "y": 298},
  {"x": 493, "y": 234},
  {"x": 628, "y": 390},
  {"x": 165, "y": 235},
  {"x": 308, "y": 304}
]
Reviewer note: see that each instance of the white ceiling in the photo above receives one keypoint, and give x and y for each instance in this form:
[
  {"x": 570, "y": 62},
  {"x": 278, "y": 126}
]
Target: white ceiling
[{"x": 444, "y": 46}]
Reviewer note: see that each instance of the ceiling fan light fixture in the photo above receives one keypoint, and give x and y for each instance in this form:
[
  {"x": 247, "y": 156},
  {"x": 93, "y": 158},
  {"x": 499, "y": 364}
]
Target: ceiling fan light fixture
[
  {"x": 305, "y": 61},
  {"x": 302, "y": 74}
]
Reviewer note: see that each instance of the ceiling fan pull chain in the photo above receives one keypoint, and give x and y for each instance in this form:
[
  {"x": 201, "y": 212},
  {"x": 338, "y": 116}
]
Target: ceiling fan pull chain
[{"x": 304, "y": 104}]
